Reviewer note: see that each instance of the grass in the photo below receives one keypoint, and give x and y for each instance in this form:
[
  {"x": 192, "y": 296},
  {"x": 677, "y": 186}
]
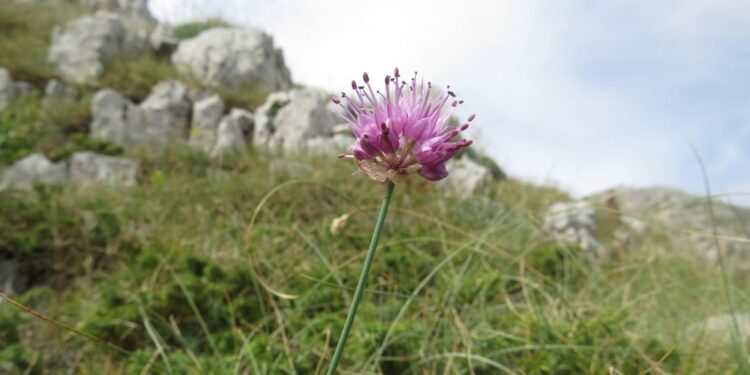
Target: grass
[
  {"x": 26, "y": 34},
  {"x": 211, "y": 268},
  {"x": 56, "y": 129},
  {"x": 232, "y": 266},
  {"x": 134, "y": 77},
  {"x": 191, "y": 29}
]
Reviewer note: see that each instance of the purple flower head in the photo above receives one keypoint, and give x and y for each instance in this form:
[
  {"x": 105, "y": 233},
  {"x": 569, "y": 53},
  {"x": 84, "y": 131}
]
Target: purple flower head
[{"x": 403, "y": 131}]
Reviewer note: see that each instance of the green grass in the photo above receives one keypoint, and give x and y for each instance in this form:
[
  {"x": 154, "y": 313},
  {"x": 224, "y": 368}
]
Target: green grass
[
  {"x": 26, "y": 34},
  {"x": 57, "y": 129},
  {"x": 134, "y": 77},
  {"x": 191, "y": 29},
  {"x": 201, "y": 259}
]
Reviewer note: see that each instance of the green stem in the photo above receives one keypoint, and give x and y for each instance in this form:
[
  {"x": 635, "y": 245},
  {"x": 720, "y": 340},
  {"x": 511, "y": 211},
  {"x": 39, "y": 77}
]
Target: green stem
[{"x": 362, "y": 279}]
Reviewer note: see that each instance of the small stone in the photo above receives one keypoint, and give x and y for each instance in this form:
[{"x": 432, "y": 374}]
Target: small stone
[
  {"x": 206, "y": 116},
  {"x": 466, "y": 177},
  {"x": 33, "y": 169},
  {"x": 574, "y": 223},
  {"x": 229, "y": 136},
  {"x": 89, "y": 168}
]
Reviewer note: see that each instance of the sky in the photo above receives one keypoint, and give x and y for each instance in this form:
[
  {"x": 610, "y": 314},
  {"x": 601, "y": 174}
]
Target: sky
[{"x": 585, "y": 95}]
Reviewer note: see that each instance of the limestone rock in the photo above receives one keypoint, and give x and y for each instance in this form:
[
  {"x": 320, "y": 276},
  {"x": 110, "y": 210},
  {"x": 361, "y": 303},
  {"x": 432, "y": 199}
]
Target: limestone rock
[
  {"x": 229, "y": 135},
  {"x": 466, "y": 177},
  {"x": 574, "y": 223},
  {"x": 232, "y": 58},
  {"x": 56, "y": 91},
  {"x": 287, "y": 120},
  {"x": 115, "y": 119},
  {"x": 722, "y": 327},
  {"x": 82, "y": 47},
  {"x": 206, "y": 116},
  {"x": 88, "y": 168},
  {"x": 167, "y": 114},
  {"x": 684, "y": 218},
  {"x": 24, "y": 89},
  {"x": 11, "y": 279},
  {"x": 7, "y": 89},
  {"x": 162, "y": 39},
  {"x": 35, "y": 168},
  {"x": 134, "y": 8},
  {"x": 333, "y": 146}
]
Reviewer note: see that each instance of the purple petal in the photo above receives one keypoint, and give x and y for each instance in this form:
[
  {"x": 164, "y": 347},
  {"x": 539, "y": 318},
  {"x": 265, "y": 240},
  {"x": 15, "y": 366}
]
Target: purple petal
[{"x": 434, "y": 172}]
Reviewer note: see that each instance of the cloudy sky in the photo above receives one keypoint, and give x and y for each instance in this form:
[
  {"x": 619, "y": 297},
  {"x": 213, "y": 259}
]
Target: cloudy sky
[{"x": 582, "y": 94}]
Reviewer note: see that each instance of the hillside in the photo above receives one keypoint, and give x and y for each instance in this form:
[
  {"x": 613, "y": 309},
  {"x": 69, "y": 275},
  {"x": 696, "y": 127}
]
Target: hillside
[{"x": 159, "y": 215}]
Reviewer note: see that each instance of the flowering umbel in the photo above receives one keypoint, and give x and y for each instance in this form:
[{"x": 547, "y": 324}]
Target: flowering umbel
[{"x": 403, "y": 131}]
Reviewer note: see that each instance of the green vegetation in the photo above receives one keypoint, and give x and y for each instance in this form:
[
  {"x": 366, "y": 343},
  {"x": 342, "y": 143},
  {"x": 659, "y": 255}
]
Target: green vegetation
[
  {"x": 28, "y": 126},
  {"x": 25, "y": 37},
  {"x": 191, "y": 29},
  {"x": 234, "y": 266},
  {"x": 134, "y": 77}
]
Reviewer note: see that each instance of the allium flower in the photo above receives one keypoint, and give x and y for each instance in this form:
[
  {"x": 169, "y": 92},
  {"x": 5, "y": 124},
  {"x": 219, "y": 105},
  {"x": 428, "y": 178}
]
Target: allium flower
[{"x": 403, "y": 131}]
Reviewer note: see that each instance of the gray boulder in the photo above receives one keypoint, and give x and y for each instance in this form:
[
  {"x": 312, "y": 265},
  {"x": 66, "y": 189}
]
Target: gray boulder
[
  {"x": 80, "y": 48},
  {"x": 7, "y": 89},
  {"x": 11, "y": 279},
  {"x": 331, "y": 146},
  {"x": 722, "y": 327},
  {"x": 206, "y": 116},
  {"x": 115, "y": 119},
  {"x": 229, "y": 135},
  {"x": 574, "y": 223},
  {"x": 162, "y": 39},
  {"x": 167, "y": 114},
  {"x": 287, "y": 120},
  {"x": 24, "y": 89},
  {"x": 89, "y": 168},
  {"x": 466, "y": 177},
  {"x": 134, "y": 8},
  {"x": 232, "y": 58},
  {"x": 33, "y": 169},
  {"x": 683, "y": 217},
  {"x": 56, "y": 92},
  {"x": 161, "y": 119}
]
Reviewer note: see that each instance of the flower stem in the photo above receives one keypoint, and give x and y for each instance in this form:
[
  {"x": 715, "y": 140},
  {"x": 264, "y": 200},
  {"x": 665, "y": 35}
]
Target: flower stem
[{"x": 362, "y": 279}]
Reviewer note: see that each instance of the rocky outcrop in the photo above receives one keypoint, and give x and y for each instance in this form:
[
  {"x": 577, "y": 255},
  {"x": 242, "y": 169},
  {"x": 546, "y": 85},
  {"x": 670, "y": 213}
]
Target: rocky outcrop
[
  {"x": 289, "y": 119},
  {"x": 115, "y": 118},
  {"x": 11, "y": 279},
  {"x": 230, "y": 135},
  {"x": 574, "y": 223},
  {"x": 133, "y": 8},
  {"x": 33, "y": 169},
  {"x": 232, "y": 58},
  {"x": 80, "y": 48},
  {"x": 167, "y": 115},
  {"x": 206, "y": 116},
  {"x": 58, "y": 92},
  {"x": 23, "y": 89},
  {"x": 162, "y": 39},
  {"x": 82, "y": 169},
  {"x": 161, "y": 119},
  {"x": 722, "y": 327},
  {"x": 684, "y": 218},
  {"x": 466, "y": 177},
  {"x": 89, "y": 168},
  {"x": 7, "y": 89}
]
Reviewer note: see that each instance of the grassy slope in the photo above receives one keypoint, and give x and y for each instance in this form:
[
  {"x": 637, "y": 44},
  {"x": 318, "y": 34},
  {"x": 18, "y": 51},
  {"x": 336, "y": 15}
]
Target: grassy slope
[
  {"x": 191, "y": 258},
  {"x": 185, "y": 271}
]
